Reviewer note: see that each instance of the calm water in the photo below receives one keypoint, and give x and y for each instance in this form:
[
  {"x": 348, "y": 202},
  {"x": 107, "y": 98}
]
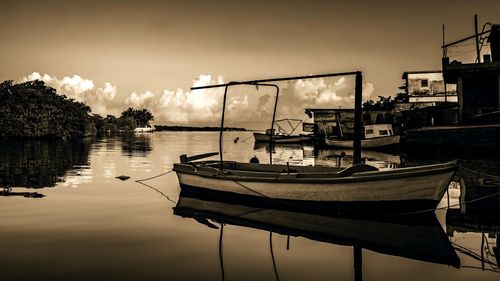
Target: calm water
[{"x": 92, "y": 226}]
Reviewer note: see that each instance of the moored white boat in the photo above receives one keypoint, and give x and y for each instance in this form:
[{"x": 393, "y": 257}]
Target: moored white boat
[
  {"x": 260, "y": 137},
  {"x": 365, "y": 143},
  {"x": 147, "y": 129},
  {"x": 378, "y": 135},
  {"x": 359, "y": 186}
]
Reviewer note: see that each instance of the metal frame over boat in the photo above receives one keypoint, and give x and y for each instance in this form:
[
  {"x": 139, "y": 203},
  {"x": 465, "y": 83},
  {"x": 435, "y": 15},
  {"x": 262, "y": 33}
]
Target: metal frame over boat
[
  {"x": 360, "y": 185},
  {"x": 283, "y": 136}
]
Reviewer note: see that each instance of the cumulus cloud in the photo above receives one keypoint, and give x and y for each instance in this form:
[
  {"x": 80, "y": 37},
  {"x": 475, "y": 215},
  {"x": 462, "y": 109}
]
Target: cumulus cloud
[
  {"x": 102, "y": 100},
  {"x": 245, "y": 105}
]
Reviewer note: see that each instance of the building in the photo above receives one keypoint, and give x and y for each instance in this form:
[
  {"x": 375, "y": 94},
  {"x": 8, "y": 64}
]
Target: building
[
  {"x": 329, "y": 122},
  {"x": 478, "y": 83},
  {"x": 478, "y": 92},
  {"x": 427, "y": 87}
]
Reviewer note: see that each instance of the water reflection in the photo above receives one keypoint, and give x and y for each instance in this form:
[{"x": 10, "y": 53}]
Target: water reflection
[
  {"x": 136, "y": 145},
  {"x": 303, "y": 154},
  {"x": 41, "y": 163},
  {"x": 419, "y": 237},
  {"x": 9, "y": 192},
  {"x": 476, "y": 217}
]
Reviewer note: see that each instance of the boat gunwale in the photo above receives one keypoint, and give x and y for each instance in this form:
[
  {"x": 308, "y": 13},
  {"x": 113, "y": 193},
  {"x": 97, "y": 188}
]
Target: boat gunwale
[{"x": 317, "y": 177}]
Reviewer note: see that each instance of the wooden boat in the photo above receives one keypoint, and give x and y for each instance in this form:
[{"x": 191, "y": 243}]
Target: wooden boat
[
  {"x": 281, "y": 135},
  {"x": 265, "y": 137},
  {"x": 379, "y": 135},
  {"x": 360, "y": 186},
  {"x": 418, "y": 237},
  {"x": 357, "y": 187},
  {"x": 148, "y": 129}
]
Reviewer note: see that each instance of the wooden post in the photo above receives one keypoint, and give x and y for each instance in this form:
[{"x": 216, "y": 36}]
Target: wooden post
[
  {"x": 358, "y": 263},
  {"x": 477, "y": 40},
  {"x": 272, "y": 125},
  {"x": 358, "y": 122},
  {"x": 222, "y": 126},
  {"x": 442, "y": 66}
]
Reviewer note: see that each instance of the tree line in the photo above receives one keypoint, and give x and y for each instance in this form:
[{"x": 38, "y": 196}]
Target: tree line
[{"x": 33, "y": 109}]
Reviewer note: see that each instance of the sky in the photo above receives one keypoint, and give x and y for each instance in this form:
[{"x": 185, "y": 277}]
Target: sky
[{"x": 116, "y": 54}]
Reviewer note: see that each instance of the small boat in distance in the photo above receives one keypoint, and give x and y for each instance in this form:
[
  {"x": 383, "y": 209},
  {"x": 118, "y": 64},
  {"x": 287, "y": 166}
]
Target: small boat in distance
[
  {"x": 147, "y": 129},
  {"x": 376, "y": 136},
  {"x": 282, "y": 135}
]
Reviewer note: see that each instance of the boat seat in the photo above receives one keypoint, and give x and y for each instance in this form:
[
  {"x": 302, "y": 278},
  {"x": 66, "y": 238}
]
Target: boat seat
[{"x": 358, "y": 168}]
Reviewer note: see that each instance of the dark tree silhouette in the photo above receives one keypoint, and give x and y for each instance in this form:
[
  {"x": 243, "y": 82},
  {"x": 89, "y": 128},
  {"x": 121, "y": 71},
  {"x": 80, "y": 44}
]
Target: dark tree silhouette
[
  {"x": 32, "y": 109},
  {"x": 142, "y": 117}
]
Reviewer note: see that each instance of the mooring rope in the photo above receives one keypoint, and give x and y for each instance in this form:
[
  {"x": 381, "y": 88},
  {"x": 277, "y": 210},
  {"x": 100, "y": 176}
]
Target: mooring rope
[
  {"x": 476, "y": 172},
  {"x": 384, "y": 214},
  {"x": 247, "y": 138},
  {"x": 154, "y": 188},
  {"x": 157, "y": 176}
]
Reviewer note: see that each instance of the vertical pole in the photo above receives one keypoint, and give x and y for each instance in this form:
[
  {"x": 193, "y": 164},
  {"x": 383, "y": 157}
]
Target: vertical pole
[
  {"x": 220, "y": 252},
  {"x": 358, "y": 123},
  {"x": 444, "y": 81},
  {"x": 477, "y": 40},
  {"x": 358, "y": 263},
  {"x": 482, "y": 250},
  {"x": 222, "y": 126},
  {"x": 272, "y": 126},
  {"x": 272, "y": 256}
]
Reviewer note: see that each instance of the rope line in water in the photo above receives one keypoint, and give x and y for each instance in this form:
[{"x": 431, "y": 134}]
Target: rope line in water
[
  {"x": 476, "y": 172},
  {"x": 157, "y": 176},
  {"x": 154, "y": 188}
]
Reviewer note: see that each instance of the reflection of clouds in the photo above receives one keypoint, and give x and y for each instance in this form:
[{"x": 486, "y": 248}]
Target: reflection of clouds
[
  {"x": 78, "y": 176},
  {"x": 137, "y": 163},
  {"x": 109, "y": 170}
]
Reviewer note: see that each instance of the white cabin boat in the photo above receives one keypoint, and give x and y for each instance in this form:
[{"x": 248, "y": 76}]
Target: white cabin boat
[
  {"x": 378, "y": 135},
  {"x": 148, "y": 129}
]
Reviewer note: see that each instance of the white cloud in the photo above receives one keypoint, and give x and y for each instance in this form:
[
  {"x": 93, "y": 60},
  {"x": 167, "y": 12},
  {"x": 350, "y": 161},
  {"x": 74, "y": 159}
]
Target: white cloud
[
  {"x": 102, "y": 100},
  {"x": 140, "y": 100},
  {"x": 245, "y": 105}
]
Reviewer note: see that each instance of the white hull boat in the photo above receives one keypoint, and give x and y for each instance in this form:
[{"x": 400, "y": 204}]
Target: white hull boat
[
  {"x": 365, "y": 143},
  {"x": 412, "y": 188}
]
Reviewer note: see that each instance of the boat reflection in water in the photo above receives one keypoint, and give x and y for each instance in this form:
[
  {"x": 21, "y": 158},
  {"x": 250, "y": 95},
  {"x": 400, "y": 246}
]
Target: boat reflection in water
[
  {"x": 419, "y": 237},
  {"x": 308, "y": 155},
  {"x": 477, "y": 217}
]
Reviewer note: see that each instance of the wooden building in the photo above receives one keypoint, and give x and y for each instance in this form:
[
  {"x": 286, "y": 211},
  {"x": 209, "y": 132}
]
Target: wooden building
[
  {"x": 478, "y": 84},
  {"x": 328, "y": 121}
]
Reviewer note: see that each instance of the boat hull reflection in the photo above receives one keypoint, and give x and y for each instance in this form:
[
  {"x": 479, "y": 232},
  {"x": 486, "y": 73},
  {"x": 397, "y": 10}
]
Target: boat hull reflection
[{"x": 417, "y": 237}]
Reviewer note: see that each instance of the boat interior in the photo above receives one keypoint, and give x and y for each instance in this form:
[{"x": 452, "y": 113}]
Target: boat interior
[{"x": 233, "y": 168}]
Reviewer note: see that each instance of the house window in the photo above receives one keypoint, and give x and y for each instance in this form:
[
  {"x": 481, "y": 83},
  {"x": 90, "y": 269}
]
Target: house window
[
  {"x": 424, "y": 83},
  {"x": 383, "y": 132}
]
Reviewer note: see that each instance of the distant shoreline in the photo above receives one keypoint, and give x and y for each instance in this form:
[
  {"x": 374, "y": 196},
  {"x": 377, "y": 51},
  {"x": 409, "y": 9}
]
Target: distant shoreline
[{"x": 193, "y": 129}]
